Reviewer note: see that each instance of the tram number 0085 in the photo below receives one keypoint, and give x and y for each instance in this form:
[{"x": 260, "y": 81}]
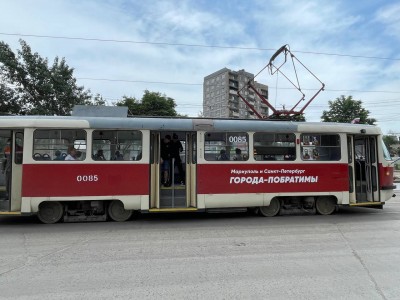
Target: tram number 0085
[
  {"x": 87, "y": 178},
  {"x": 237, "y": 139}
]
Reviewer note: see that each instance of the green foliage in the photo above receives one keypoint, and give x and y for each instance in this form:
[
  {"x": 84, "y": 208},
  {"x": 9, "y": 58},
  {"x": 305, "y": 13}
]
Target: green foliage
[
  {"x": 97, "y": 100},
  {"x": 151, "y": 104},
  {"x": 345, "y": 109},
  {"x": 9, "y": 100},
  {"x": 32, "y": 86},
  {"x": 390, "y": 141}
]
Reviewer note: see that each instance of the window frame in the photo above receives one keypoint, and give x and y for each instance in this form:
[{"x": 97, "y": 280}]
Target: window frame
[
  {"x": 286, "y": 152},
  {"x": 312, "y": 144},
  {"x": 230, "y": 144},
  {"x": 55, "y": 147},
  {"x": 116, "y": 144}
]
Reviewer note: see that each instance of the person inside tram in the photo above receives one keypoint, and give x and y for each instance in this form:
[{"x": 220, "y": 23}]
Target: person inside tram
[
  {"x": 58, "y": 155},
  {"x": 176, "y": 150},
  {"x": 166, "y": 154},
  {"x": 238, "y": 154},
  {"x": 222, "y": 155},
  {"x": 99, "y": 155},
  {"x": 72, "y": 154},
  {"x": 118, "y": 156},
  {"x": 139, "y": 156},
  {"x": 306, "y": 155}
]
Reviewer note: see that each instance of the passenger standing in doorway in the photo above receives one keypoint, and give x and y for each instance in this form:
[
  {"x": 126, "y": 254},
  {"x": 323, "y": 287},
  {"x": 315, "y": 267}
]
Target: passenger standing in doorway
[
  {"x": 176, "y": 154},
  {"x": 166, "y": 155}
]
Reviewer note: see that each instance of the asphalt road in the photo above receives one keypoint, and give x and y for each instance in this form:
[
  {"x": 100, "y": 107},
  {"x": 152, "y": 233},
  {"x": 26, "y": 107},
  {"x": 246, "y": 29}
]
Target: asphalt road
[{"x": 354, "y": 254}]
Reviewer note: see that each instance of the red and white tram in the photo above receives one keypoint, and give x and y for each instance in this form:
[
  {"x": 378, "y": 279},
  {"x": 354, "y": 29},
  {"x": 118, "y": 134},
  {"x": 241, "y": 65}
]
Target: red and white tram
[{"x": 267, "y": 165}]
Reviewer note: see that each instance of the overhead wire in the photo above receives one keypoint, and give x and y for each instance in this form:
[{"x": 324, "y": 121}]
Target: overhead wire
[
  {"x": 201, "y": 84},
  {"x": 191, "y": 45},
  {"x": 212, "y": 46}
]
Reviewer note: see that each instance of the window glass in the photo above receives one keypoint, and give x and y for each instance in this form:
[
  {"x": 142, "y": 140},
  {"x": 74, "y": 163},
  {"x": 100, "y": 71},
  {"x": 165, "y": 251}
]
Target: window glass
[
  {"x": 226, "y": 146},
  {"x": 117, "y": 145},
  {"x": 59, "y": 144},
  {"x": 372, "y": 149},
  {"x": 19, "y": 147},
  {"x": 359, "y": 148},
  {"x": 386, "y": 153},
  {"x": 5, "y": 144},
  {"x": 320, "y": 147},
  {"x": 194, "y": 148},
  {"x": 349, "y": 150},
  {"x": 274, "y": 146}
]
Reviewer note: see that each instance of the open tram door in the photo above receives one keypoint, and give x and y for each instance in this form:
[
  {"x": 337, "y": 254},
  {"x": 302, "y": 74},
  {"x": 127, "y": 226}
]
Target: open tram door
[
  {"x": 172, "y": 184},
  {"x": 11, "y": 147},
  {"x": 363, "y": 171}
]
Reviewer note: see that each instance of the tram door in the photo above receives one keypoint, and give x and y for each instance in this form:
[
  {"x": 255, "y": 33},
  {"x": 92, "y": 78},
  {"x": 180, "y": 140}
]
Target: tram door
[
  {"x": 363, "y": 167},
  {"x": 11, "y": 147},
  {"x": 173, "y": 170}
]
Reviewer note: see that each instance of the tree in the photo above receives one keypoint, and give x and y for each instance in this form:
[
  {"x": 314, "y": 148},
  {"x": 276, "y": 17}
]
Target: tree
[
  {"x": 390, "y": 141},
  {"x": 9, "y": 100},
  {"x": 345, "y": 109},
  {"x": 98, "y": 101},
  {"x": 31, "y": 86},
  {"x": 151, "y": 104}
]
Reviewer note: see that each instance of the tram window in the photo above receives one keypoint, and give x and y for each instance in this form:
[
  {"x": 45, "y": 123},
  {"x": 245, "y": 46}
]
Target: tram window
[
  {"x": 386, "y": 152},
  {"x": 19, "y": 146},
  {"x": 53, "y": 144},
  {"x": 320, "y": 147},
  {"x": 117, "y": 145},
  {"x": 232, "y": 146},
  {"x": 274, "y": 146}
]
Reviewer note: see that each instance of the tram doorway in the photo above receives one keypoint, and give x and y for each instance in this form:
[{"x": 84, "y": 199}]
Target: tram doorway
[
  {"x": 11, "y": 147},
  {"x": 173, "y": 170},
  {"x": 363, "y": 169}
]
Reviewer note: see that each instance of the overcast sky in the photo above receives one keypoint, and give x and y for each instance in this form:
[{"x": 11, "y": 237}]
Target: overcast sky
[{"x": 170, "y": 46}]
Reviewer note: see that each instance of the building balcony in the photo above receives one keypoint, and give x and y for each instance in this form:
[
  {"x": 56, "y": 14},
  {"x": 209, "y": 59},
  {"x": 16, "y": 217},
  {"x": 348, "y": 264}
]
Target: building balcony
[
  {"x": 234, "y": 107},
  {"x": 233, "y": 91},
  {"x": 234, "y": 100}
]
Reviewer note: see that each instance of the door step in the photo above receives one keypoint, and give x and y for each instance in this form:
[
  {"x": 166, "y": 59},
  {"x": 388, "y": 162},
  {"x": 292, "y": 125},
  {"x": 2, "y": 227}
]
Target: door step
[
  {"x": 10, "y": 213},
  {"x": 227, "y": 210},
  {"x": 173, "y": 209},
  {"x": 367, "y": 204},
  {"x": 378, "y": 205}
]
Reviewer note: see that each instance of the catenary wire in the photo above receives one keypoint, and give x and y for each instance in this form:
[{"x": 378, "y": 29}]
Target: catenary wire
[{"x": 192, "y": 45}]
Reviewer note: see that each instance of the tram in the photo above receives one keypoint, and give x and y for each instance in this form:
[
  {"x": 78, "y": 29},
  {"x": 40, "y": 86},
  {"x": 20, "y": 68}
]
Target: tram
[{"x": 266, "y": 166}]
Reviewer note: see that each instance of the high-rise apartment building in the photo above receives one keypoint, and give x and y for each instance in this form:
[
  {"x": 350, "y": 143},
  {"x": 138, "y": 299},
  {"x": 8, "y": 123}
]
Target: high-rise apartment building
[{"x": 220, "y": 99}]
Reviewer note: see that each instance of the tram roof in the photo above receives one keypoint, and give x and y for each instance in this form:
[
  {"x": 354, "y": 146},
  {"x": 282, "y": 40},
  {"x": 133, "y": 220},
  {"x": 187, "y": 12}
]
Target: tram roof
[{"x": 181, "y": 124}]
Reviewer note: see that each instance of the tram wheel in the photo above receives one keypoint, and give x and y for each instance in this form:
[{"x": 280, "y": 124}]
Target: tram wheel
[
  {"x": 117, "y": 212},
  {"x": 50, "y": 212},
  {"x": 325, "y": 205},
  {"x": 271, "y": 210}
]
